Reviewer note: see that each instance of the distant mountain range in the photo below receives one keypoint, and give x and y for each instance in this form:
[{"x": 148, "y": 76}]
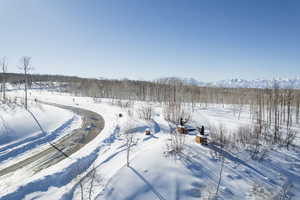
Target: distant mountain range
[{"x": 243, "y": 83}]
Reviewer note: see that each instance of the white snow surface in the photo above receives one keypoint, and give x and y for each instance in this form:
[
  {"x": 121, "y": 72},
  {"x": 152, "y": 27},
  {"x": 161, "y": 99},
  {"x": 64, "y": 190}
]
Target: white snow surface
[
  {"x": 154, "y": 173},
  {"x": 20, "y": 135},
  {"x": 16, "y": 123}
]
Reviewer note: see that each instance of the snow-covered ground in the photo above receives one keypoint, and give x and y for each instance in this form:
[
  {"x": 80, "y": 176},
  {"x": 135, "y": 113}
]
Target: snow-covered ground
[
  {"x": 17, "y": 123},
  {"x": 154, "y": 173},
  {"x": 20, "y": 135}
]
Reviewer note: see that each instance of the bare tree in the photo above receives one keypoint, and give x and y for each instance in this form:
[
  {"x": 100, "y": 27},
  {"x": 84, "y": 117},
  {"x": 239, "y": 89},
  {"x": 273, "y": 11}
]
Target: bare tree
[
  {"x": 129, "y": 142},
  {"x": 92, "y": 177},
  {"x": 81, "y": 189},
  {"x": 3, "y": 64},
  {"x": 218, "y": 135},
  {"x": 145, "y": 112},
  {"x": 276, "y": 111},
  {"x": 284, "y": 192},
  {"x": 289, "y": 99},
  {"x": 87, "y": 183},
  {"x": 258, "y": 192},
  {"x": 290, "y": 137},
  {"x": 297, "y": 109},
  {"x": 177, "y": 141},
  {"x": 26, "y": 67}
]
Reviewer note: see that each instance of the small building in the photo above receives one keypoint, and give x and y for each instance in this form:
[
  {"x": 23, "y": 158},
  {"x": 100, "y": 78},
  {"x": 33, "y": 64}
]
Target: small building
[
  {"x": 181, "y": 129},
  {"x": 201, "y": 139}
]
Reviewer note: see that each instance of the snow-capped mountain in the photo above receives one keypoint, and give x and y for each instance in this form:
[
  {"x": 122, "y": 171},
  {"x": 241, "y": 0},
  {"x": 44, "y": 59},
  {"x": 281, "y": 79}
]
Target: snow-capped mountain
[
  {"x": 192, "y": 81},
  {"x": 258, "y": 83},
  {"x": 293, "y": 83}
]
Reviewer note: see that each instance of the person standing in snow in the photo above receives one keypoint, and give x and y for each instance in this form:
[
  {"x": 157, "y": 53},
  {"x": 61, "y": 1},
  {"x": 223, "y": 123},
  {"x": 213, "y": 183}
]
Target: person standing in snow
[
  {"x": 202, "y": 130},
  {"x": 181, "y": 122}
]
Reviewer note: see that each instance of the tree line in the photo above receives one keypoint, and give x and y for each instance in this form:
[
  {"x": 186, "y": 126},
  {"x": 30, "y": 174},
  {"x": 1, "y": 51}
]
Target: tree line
[{"x": 270, "y": 106}]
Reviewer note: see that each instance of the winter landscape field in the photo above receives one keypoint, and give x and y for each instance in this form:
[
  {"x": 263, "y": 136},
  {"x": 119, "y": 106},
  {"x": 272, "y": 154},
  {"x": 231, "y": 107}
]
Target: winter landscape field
[
  {"x": 149, "y": 100},
  {"x": 162, "y": 165}
]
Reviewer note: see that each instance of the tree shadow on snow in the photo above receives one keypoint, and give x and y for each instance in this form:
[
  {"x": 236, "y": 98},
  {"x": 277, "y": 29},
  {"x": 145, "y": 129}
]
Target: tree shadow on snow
[
  {"x": 149, "y": 137},
  {"x": 156, "y": 126},
  {"x": 37, "y": 141},
  {"x": 233, "y": 158},
  {"x": 57, "y": 179},
  {"x": 148, "y": 184}
]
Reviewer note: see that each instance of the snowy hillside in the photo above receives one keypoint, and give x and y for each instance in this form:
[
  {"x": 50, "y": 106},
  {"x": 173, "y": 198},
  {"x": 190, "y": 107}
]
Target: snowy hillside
[
  {"x": 16, "y": 123},
  {"x": 21, "y": 137}
]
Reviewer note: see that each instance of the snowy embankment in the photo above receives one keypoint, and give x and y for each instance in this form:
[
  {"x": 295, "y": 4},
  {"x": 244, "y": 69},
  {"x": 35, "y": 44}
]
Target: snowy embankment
[
  {"x": 61, "y": 175},
  {"x": 21, "y": 136},
  {"x": 17, "y": 124},
  {"x": 154, "y": 173}
]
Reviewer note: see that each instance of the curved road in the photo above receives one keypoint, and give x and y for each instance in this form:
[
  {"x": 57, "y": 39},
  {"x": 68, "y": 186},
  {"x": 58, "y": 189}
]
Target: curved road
[{"x": 92, "y": 125}]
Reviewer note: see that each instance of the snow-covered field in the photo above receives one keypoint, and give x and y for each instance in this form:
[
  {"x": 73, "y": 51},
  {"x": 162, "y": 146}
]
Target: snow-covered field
[{"x": 153, "y": 173}]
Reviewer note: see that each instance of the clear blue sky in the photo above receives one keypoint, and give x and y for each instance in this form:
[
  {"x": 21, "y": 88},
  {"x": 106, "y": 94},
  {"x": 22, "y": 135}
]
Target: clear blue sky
[{"x": 146, "y": 39}]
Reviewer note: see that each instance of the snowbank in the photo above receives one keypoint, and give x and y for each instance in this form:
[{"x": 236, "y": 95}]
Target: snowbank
[{"x": 16, "y": 123}]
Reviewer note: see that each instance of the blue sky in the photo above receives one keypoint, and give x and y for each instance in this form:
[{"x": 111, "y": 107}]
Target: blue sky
[{"x": 147, "y": 39}]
